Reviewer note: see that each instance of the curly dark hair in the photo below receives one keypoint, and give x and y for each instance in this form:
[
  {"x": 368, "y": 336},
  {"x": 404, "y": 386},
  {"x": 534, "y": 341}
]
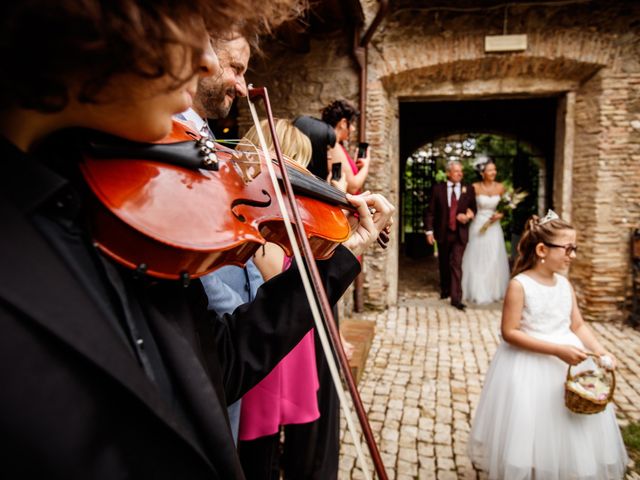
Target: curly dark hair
[
  {"x": 337, "y": 110},
  {"x": 46, "y": 45}
]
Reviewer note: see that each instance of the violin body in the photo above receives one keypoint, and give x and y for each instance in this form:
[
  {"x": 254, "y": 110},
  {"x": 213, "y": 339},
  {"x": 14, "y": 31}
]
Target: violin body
[{"x": 173, "y": 222}]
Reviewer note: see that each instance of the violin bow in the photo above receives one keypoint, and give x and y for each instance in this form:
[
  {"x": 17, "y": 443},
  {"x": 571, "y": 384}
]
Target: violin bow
[{"x": 316, "y": 295}]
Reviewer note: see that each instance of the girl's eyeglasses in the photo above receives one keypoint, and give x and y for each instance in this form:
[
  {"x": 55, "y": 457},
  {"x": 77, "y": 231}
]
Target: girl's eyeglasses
[{"x": 569, "y": 248}]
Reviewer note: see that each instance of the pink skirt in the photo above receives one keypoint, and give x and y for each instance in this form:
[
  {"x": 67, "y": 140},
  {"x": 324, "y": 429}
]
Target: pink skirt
[{"x": 288, "y": 395}]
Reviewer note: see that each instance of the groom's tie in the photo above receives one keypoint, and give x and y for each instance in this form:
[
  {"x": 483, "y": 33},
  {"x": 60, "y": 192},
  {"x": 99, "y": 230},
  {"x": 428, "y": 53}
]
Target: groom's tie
[{"x": 453, "y": 208}]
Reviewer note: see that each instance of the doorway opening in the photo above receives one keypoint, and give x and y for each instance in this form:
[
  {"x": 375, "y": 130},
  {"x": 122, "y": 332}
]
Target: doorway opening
[{"x": 518, "y": 134}]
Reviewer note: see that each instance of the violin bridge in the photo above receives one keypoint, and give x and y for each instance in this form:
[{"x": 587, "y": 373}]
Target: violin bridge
[{"x": 246, "y": 169}]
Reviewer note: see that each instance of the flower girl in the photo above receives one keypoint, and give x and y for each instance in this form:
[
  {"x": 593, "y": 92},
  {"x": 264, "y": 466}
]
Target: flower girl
[{"x": 522, "y": 429}]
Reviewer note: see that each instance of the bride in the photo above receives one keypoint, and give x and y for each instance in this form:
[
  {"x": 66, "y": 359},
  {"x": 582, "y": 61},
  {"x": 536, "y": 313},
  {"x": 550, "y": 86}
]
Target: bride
[{"x": 485, "y": 268}]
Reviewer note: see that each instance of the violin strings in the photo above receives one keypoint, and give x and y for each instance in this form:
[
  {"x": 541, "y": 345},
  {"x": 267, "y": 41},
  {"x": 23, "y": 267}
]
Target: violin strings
[
  {"x": 311, "y": 184},
  {"x": 311, "y": 180}
]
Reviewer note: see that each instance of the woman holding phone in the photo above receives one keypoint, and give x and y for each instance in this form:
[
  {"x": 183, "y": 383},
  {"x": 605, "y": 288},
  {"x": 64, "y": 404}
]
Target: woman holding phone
[{"x": 341, "y": 115}]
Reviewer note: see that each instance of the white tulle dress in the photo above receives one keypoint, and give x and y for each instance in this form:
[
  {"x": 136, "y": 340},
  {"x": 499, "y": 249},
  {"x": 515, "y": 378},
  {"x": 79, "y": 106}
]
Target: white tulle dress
[
  {"x": 485, "y": 266},
  {"x": 521, "y": 428}
]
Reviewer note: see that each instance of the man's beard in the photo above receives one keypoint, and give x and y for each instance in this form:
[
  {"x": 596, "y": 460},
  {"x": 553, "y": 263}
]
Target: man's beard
[{"x": 214, "y": 102}]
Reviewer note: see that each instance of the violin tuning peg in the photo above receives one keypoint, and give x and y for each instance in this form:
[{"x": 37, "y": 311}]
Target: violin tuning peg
[{"x": 210, "y": 161}]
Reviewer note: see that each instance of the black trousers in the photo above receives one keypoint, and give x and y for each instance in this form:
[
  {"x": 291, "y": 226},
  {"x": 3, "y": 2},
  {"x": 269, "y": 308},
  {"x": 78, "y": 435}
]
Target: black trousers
[
  {"x": 450, "y": 254},
  {"x": 260, "y": 458},
  {"x": 310, "y": 450}
]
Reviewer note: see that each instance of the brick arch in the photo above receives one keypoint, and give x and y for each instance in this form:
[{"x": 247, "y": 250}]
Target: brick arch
[
  {"x": 548, "y": 48},
  {"x": 565, "y": 73}
]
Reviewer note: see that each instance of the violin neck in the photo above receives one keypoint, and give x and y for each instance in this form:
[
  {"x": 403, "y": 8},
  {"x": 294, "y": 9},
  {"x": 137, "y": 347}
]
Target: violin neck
[
  {"x": 187, "y": 154},
  {"x": 314, "y": 187}
]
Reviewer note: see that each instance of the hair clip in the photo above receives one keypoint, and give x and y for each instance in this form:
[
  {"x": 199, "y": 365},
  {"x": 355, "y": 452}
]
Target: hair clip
[
  {"x": 551, "y": 215},
  {"x": 480, "y": 163}
]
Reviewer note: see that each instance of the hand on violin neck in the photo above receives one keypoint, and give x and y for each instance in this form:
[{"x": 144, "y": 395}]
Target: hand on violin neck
[{"x": 375, "y": 215}]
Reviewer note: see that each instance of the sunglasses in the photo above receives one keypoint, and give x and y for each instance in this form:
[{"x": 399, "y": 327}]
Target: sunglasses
[{"x": 569, "y": 248}]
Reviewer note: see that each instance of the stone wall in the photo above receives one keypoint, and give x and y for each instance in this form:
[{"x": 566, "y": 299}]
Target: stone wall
[
  {"x": 606, "y": 201},
  {"x": 302, "y": 84},
  {"x": 589, "y": 53}
]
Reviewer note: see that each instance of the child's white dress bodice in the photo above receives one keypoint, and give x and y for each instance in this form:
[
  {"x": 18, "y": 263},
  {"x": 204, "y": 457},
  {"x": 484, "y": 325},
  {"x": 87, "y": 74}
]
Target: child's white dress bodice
[{"x": 547, "y": 308}]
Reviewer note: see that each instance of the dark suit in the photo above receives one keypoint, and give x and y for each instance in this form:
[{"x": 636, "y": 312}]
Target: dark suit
[
  {"x": 451, "y": 244},
  {"x": 76, "y": 403}
]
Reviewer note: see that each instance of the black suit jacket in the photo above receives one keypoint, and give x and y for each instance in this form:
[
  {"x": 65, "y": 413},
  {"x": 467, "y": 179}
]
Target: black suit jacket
[
  {"x": 75, "y": 403},
  {"x": 437, "y": 213}
]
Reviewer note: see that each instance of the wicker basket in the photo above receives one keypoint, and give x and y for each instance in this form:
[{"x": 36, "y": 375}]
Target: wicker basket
[{"x": 577, "y": 402}]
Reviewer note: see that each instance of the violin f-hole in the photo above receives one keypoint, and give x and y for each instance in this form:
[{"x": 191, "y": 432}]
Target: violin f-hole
[{"x": 250, "y": 202}]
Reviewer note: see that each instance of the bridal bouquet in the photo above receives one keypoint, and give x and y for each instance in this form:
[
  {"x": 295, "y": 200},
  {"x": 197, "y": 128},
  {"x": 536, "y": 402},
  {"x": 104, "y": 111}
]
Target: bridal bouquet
[{"x": 508, "y": 202}]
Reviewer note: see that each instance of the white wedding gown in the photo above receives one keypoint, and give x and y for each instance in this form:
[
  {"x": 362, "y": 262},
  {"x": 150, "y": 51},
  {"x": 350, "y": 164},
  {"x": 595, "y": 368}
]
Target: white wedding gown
[
  {"x": 485, "y": 267},
  {"x": 521, "y": 429}
]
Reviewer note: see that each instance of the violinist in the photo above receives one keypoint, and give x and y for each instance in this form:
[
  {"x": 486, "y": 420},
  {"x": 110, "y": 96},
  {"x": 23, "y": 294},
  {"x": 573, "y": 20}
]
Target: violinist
[
  {"x": 106, "y": 372},
  {"x": 230, "y": 285}
]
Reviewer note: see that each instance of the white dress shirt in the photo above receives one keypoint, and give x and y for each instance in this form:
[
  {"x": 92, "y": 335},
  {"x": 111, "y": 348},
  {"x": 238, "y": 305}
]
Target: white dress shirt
[{"x": 198, "y": 122}]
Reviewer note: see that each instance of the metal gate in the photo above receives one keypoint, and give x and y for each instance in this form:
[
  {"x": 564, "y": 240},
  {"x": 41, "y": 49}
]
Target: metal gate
[
  {"x": 418, "y": 179},
  {"x": 517, "y": 164}
]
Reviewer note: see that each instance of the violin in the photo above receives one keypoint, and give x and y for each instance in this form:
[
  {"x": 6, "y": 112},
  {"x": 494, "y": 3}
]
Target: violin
[{"x": 185, "y": 206}]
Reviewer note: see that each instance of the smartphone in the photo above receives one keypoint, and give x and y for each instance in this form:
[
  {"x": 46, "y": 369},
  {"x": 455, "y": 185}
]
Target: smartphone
[
  {"x": 362, "y": 149},
  {"x": 336, "y": 171}
]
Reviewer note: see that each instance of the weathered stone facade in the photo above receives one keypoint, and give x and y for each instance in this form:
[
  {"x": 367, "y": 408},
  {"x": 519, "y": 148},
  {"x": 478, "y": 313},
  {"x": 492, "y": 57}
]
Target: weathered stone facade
[{"x": 585, "y": 54}]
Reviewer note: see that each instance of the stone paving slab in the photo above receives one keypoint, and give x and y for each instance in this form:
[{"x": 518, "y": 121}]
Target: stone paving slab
[
  {"x": 423, "y": 378},
  {"x": 360, "y": 334}
]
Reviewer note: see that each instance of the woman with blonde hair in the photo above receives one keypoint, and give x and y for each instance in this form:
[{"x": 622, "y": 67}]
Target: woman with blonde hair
[
  {"x": 294, "y": 144},
  {"x": 288, "y": 395}
]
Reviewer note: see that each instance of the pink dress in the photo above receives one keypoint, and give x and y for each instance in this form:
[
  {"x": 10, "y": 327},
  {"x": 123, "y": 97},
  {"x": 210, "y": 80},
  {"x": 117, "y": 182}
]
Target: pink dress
[
  {"x": 288, "y": 395},
  {"x": 354, "y": 169}
]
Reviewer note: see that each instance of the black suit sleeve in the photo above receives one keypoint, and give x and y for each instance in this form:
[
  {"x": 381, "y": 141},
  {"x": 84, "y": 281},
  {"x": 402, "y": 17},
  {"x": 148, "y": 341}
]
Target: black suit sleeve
[
  {"x": 251, "y": 341},
  {"x": 430, "y": 211}
]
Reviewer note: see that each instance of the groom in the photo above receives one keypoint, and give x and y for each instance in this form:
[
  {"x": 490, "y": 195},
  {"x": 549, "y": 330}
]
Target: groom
[{"x": 452, "y": 207}]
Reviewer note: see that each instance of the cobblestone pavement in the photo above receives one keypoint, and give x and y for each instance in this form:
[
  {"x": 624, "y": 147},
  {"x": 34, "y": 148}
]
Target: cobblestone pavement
[{"x": 423, "y": 378}]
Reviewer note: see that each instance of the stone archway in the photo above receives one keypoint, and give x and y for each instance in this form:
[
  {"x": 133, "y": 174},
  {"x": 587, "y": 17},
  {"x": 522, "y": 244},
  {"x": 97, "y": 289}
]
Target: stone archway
[{"x": 480, "y": 78}]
